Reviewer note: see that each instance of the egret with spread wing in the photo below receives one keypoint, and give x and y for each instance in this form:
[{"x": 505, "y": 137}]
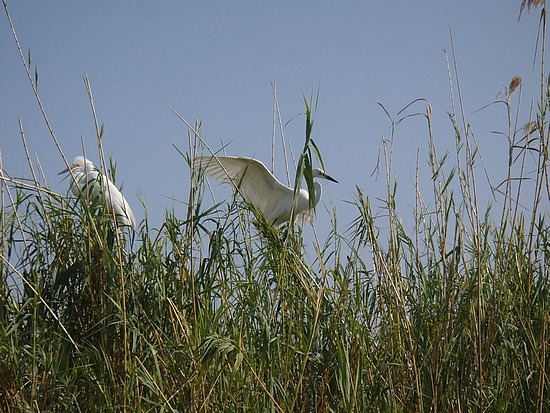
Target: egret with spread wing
[
  {"x": 89, "y": 182},
  {"x": 260, "y": 188}
]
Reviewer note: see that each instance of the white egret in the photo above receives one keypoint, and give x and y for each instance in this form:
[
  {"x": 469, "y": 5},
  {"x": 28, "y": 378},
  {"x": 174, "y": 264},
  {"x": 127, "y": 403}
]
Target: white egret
[
  {"x": 89, "y": 182},
  {"x": 260, "y": 188}
]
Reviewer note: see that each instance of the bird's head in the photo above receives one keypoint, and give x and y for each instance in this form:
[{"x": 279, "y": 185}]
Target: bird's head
[
  {"x": 319, "y": 173},
  {"x": 79, "y": 163}
]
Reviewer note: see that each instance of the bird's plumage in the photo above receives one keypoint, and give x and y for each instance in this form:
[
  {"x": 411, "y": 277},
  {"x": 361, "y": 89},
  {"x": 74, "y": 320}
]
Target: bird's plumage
[
  {"x": 89, "y": 182},
  {"x": 260, "y": 188}
]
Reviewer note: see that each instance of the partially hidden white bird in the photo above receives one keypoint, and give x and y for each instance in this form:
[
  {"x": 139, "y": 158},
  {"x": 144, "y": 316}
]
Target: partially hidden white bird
[
  {"x": 87, "y": 181},
  {"x": 260, "y": 188}
]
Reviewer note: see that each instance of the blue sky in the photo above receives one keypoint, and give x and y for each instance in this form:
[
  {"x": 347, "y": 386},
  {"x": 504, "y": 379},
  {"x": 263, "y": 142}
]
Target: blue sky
[{"x": 216, "y": 61}]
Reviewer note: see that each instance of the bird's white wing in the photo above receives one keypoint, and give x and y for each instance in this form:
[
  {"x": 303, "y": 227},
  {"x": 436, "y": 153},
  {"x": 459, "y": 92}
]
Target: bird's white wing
[
  {"x": 255, "y": 182},
  {"x": 118, "y": 204}
]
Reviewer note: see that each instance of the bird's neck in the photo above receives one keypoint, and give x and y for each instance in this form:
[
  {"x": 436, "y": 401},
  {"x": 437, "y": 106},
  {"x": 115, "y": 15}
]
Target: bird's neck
[{"x": 318, "y": 191}]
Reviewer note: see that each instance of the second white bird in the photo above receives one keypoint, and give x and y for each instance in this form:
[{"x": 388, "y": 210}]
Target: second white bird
[{"x": 89, "y": 182}]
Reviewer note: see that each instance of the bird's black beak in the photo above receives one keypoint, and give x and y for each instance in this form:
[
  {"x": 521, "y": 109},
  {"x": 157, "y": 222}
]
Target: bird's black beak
[
  {"x": 64, "y": 171},
  {"x": 330, "y": 178}
]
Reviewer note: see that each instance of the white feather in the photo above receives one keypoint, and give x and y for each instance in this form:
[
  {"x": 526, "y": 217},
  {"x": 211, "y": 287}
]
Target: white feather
[
  {"x": 260, "y": 188},
  {"x": 89, "y": 182}
]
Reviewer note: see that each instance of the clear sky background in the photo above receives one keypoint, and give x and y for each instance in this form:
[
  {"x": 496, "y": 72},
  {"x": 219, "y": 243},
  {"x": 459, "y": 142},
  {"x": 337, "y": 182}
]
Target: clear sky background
[{"x": 216, "y": 61}]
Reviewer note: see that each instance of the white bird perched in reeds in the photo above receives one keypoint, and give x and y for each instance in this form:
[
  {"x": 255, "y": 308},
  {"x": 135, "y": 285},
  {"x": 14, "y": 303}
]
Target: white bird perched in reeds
[
  {"x": 87, "y": 181},
  {"x": 260, "y": 188}
]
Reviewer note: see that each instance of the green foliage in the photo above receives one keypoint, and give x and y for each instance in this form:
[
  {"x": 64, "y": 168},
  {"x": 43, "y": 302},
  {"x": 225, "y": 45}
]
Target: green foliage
[{"x": 220, "y": 311}]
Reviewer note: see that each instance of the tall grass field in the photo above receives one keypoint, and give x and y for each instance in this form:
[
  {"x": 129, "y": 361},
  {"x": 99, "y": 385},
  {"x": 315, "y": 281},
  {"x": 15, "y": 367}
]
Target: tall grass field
[{"x": 219, "y": 311}]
